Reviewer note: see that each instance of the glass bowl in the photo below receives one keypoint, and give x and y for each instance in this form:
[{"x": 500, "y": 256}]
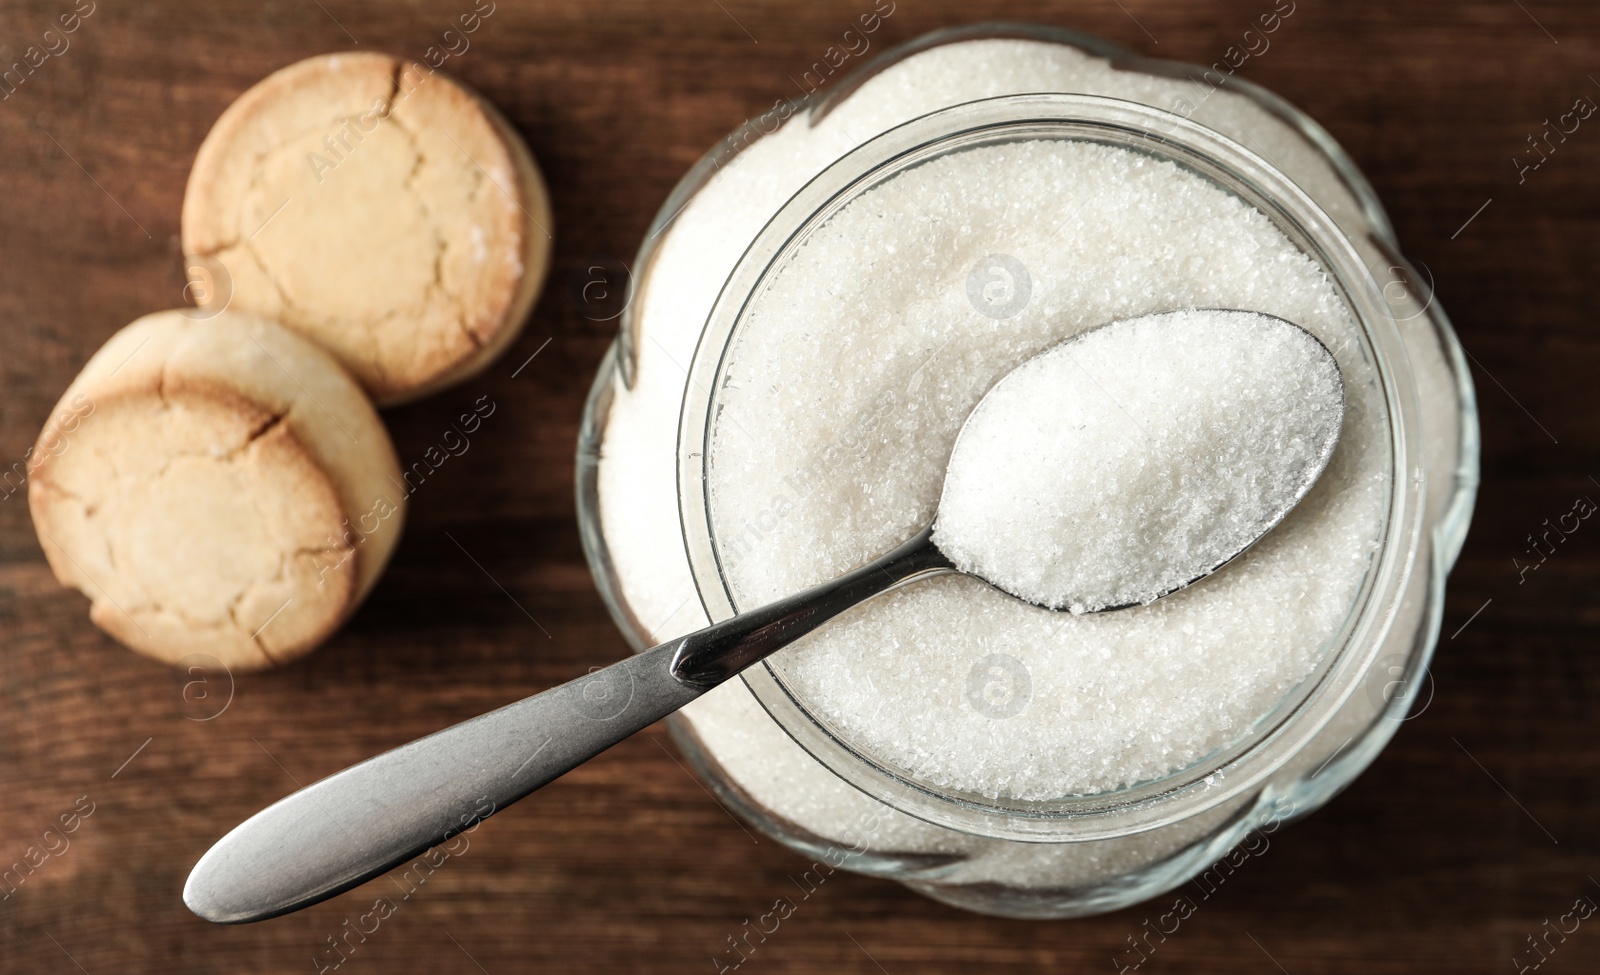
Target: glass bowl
[{"x": 1073, "y": 854}]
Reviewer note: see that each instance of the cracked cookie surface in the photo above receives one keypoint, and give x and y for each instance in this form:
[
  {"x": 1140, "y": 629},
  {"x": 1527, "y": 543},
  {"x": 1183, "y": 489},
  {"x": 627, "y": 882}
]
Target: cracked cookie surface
[
  {"x": 217, "y": 487},
  {"x": 379, "y": 208}
]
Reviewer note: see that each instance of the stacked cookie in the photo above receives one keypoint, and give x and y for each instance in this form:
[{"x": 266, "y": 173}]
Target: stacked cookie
[{"x": 217, "y": 479}]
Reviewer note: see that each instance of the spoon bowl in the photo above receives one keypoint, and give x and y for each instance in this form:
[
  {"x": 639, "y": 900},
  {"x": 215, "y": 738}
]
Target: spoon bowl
[{"x": 1138, "y": 457}]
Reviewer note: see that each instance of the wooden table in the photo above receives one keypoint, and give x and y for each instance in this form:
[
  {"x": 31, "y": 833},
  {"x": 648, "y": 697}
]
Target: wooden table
[{"x": 1477, "y": 824}]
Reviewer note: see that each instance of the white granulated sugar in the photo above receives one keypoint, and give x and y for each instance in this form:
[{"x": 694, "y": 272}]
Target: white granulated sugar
[
  {"x": 1082, "y": 675},
  {"x": 1127, "y": 462},
  {"x": 845, "y": 391}
]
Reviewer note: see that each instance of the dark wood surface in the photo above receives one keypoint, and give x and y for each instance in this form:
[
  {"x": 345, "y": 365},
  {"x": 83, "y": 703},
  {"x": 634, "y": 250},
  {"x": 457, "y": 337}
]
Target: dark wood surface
[{"x": 1477, "y": 825}]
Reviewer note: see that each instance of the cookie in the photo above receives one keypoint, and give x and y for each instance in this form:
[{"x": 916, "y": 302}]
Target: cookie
[
  {"x": 216, "y": 487},
  {"x": 377, "y": 207}
]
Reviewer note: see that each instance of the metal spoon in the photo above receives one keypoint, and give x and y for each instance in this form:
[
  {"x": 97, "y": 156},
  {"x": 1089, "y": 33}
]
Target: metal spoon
[{"x": 361, "y": 822}]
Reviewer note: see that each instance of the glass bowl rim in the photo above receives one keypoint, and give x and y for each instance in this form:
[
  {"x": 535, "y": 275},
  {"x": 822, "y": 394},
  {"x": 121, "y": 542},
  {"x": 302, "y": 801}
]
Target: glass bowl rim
[{"x": 1241, "y": 767}]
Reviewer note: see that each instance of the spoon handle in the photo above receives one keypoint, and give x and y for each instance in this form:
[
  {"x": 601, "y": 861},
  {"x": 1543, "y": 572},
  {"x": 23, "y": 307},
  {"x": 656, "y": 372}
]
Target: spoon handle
[
  {"x": 359, "y": 823},
  {"x": 356, "y": 824},
  {"x": 717, "y": 652}
]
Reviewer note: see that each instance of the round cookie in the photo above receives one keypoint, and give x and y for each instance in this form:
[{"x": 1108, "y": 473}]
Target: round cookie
[
  {"x": 219, "y": 487},
  {"x": 378, "y": 207}
]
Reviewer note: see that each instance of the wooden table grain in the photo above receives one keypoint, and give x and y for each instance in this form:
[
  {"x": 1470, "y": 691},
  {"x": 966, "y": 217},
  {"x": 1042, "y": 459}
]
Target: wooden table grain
[{"x": 1480, "y": 822}]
